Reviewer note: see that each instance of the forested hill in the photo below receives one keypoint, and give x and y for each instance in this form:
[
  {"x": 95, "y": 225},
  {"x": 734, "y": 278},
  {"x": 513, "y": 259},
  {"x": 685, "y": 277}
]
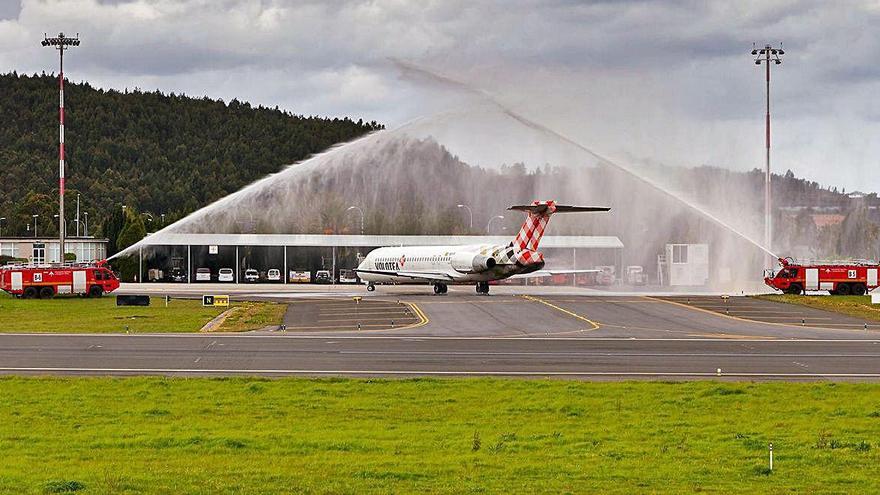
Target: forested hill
[{"x": 159, "y": 153}]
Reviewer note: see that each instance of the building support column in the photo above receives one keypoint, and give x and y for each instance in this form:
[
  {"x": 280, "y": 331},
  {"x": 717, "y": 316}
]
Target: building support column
[
  {"x": 236, "y": 264},
  {"x": 333, "y": 271},
  {"x": 141, "y": 265},
  {"x": 285, "y": 274},
  {"x": 188, "y": 264}
]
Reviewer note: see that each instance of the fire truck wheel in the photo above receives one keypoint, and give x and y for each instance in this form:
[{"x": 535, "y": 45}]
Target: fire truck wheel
[
  {"x": 47, "y": 293},
  {"x": 859, "y": 290},
  {"x": 794, "y": 289},
  {"x": 30, "y": 293},
  {"x": 96, "y": 291},
  {"x": 843, "y": 289}
]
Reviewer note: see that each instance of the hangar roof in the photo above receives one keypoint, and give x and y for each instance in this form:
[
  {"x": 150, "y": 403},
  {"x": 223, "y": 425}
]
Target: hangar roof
[{"x": 317, "y": 240}]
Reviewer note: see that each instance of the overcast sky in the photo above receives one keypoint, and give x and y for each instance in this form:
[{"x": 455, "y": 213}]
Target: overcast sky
[{"x": 667, "y": 81}]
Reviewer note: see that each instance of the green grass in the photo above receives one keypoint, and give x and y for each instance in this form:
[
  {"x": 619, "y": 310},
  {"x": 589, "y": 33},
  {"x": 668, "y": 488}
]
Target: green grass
[
  {"x": 858, "y": 306},
  {"x": 248, "y": 315},
  {"x": 84, "y": 315},
  {"x": 244, "y": 436}
]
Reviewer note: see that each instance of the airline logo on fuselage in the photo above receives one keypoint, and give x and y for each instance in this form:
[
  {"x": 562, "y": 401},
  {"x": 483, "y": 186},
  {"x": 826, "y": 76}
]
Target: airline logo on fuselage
[{"x": 391, "y": 266}]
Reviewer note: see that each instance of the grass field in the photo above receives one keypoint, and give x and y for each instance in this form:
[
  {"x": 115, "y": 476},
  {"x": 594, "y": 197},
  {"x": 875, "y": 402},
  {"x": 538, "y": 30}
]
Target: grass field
[
  {"x": 858, "y": 306},
  {"x": 83, "y": 315},
  {"x": 155, "y": 435}
]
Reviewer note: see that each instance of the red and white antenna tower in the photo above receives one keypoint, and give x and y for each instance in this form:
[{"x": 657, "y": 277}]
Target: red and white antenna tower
[{"x": 61, "y": 43}]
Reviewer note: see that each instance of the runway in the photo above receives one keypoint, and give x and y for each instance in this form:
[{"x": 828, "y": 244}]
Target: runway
[
  {"x": 282, "y": 355},
  {"x": 517, "y": 331}
]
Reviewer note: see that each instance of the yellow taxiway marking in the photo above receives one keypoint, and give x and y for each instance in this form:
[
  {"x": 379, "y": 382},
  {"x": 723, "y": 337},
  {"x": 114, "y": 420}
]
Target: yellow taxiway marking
[
  {"x": 569, "y": 313},
  {"x": 423, "y": 319}
]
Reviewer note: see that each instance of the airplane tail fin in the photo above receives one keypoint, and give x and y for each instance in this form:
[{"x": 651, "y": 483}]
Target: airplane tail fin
[{"x": 526, "y": 242}]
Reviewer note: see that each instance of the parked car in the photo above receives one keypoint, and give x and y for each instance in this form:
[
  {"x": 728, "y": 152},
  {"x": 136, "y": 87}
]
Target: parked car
[
  {"x": 251, "y": 275},
  {"x": 177, "y": 275},
  {"x": 348, "y": 277},
  {"x": 226, "y": 275},
  {"x": 300, "y": 276},
  {"x": 203, "y": 275},
  {"x": 323, "y": 277},
  {"x": 273, "y": 275}
]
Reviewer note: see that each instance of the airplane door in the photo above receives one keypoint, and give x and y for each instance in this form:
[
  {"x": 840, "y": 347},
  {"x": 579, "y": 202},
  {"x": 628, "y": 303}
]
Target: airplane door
[{"x": 812, "y": 279}]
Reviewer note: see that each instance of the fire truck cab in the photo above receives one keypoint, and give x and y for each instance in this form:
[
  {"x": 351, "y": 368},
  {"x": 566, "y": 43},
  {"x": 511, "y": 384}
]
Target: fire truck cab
[
  {"x": 837, "y": 277},
  {"x": 46, "y": 281}
]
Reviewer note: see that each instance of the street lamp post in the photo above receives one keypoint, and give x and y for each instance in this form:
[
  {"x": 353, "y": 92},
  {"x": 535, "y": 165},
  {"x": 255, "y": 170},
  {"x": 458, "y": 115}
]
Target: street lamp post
[
  {"x": 767, "y": 55},
  {"x": 489, "y": 225},
  {"x": 60, "y": 43},
  {"x": 57, "y": 217},
  {"x": 77, "y": 214},
  {"x": 470, "y": 217},
  {"x": 86, "y": 226},
  {"x": 361, "y": 211},
  {"x": 2, "y": 219},
  {"x": 35, "y": 225}
]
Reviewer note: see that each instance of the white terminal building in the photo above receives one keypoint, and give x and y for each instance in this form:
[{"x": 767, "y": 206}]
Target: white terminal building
[{"x": 39, "y": 250}]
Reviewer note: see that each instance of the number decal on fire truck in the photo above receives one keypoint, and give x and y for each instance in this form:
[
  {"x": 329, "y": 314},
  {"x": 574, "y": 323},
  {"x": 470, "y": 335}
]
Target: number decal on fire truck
[
  {"x": 851, "y": 274},
  {"x": 38, "y": 277}
]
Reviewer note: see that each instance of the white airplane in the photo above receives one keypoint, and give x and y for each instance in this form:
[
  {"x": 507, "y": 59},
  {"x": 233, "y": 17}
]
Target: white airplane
[{"x": 479, "y": 264}]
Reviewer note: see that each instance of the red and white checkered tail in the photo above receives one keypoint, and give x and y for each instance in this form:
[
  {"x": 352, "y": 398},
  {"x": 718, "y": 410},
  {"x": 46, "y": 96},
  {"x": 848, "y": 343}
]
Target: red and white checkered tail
[{"x": 526, "y": 243}]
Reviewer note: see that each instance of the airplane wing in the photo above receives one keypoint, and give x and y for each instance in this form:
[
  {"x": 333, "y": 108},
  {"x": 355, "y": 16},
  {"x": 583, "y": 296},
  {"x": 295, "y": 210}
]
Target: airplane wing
[
  {"x": 550, "y": 273},
  {"x": 428, "y": 276}
]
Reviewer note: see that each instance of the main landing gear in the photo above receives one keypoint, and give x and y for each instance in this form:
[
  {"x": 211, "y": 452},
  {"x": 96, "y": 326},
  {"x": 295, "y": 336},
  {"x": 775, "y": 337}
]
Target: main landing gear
[
  {"x": 483, "y": 288},
  {"x": 371, "y": 287},
  {"x": 440, "y": 288}
]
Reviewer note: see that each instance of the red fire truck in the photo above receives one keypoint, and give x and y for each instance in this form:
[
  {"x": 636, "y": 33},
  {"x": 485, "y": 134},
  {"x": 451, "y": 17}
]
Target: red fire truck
[
  {"x": 837, "y": 277},
  {"x": 45, "y": 281}
]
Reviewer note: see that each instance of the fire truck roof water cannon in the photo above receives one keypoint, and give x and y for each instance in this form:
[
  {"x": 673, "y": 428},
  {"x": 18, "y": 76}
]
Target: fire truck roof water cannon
[
  {"x": 47, "y": 281},
  {"x": 837, "y": 277}
]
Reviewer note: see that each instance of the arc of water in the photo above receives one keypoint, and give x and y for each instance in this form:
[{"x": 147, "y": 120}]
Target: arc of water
[{"x": 412, "y": 69}]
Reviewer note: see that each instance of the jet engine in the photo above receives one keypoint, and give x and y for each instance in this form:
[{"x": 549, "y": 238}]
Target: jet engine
[{"x": 465, "y": 262}]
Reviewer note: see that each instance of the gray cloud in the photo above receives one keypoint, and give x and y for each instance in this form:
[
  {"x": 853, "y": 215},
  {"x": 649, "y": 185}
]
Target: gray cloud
[{"x": 663, "y": 80}]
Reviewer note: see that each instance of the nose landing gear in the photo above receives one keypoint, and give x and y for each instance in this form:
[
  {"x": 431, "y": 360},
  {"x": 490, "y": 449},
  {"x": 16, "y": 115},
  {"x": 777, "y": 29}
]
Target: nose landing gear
[
  {"x": 483, "y": 288},
  {"x": 440, "y": 288},
  {"x": 371, "y": 287}
]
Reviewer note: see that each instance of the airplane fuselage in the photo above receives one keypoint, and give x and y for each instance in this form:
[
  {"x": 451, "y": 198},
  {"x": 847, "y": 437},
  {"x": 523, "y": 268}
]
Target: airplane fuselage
[
  {"x": 475, "y": 263},
  {"x": 449, "y": 264}
]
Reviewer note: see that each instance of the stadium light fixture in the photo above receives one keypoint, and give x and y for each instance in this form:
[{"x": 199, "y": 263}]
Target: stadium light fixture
[
  {"x": 766, "y": 55},
  {"x": 60, "y": 43}
]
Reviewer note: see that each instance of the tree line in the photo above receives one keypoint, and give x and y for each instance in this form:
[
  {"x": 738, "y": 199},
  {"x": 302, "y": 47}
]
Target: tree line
[{"x": 153, "y": 152}]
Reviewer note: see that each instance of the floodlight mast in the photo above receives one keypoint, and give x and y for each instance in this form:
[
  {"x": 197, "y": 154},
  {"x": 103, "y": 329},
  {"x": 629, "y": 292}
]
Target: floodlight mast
[
  {"x": 767, "y": 55},
  {"x": 61, "y": 43}
]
